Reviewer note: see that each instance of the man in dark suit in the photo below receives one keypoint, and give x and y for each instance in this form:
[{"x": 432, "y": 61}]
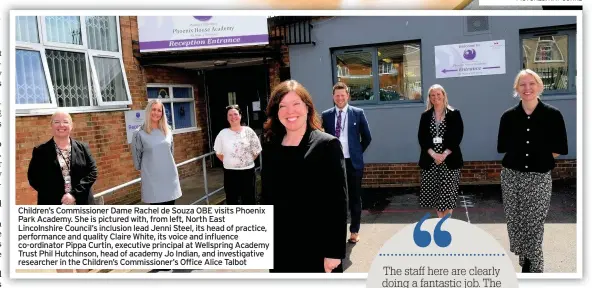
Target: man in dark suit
[{"x": 349, "y": 125}]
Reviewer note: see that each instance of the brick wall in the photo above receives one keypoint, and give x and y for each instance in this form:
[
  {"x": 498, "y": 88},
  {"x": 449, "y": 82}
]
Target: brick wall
[
  {"x": 191, "y": 144},
  {"x": 474, "y": 172},
  {"x": 106, "y": 135},
  {"x": 105, "y": 131},
  {"x": 274, "y": 75}
]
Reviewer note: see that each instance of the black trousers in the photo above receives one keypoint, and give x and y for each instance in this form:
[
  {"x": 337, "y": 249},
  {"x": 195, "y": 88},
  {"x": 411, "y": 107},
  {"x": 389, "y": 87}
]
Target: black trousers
[
  {"x": 172, "y": 202},
  {"x": 354, "y": 191},
  {"x": 239, "y": 186}
]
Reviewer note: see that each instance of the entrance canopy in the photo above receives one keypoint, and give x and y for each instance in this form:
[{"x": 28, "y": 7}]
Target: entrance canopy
[{"x": 211, "y": 58}]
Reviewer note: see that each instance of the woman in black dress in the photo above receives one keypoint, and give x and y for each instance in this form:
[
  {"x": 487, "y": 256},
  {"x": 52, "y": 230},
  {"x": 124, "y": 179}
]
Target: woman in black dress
[
  {"x": 440, "y": 134},
  {"x": 303, "y": 177},
  {"x": 531, "y": 134}
]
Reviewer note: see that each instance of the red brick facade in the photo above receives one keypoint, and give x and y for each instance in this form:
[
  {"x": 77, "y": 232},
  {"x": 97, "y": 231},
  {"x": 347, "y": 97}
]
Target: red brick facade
[
  {"x": 473, "y": 172},
  {"x": 105, "y": 131}
]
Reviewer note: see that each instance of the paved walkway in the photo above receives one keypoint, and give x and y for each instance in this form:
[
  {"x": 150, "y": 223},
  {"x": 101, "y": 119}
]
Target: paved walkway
[{"x": 386, "y": 211}]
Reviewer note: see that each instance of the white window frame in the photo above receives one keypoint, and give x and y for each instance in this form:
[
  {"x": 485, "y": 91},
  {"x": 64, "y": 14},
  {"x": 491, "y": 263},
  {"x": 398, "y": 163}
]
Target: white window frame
[
  {"x": 53, "y": 101},
  {"x": 172, "y": 100},
  {"x": 547, "y": 43},
  {"x": 46, "y": 41},
  {"x": 102, "y": 54},
  {"x": 385, "y": 68},
  {"x": 39, "y": 48},
  {"x": 88, "y": 77},
  {"x": 44, "y": 44}
]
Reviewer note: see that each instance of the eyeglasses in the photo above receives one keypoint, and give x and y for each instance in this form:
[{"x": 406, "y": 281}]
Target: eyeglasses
[
  {"x": 65, "y": 122},
  {"x": 234, "y": 106}
]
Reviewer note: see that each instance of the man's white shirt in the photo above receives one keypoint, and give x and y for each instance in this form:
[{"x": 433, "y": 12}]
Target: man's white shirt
[{"x": 344, "y": 129}]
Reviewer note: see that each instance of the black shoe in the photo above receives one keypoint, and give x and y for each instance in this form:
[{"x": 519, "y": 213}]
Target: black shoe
[
  {"x": 526, "y": 266},
  {"x": 158, "y": 270}
]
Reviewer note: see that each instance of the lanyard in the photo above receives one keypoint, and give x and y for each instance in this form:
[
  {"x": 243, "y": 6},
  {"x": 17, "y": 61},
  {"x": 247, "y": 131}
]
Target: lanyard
[
  {"x": 439, "y": 122},
  {"x": 66, "y": 160}
]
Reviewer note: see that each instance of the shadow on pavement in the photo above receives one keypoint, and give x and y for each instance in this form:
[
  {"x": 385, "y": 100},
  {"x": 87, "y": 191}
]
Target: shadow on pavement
[
  {"x": 479, "y": 204},
  {"x": 347, "y": 262}
]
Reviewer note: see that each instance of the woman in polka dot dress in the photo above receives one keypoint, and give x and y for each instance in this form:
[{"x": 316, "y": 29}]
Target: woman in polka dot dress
[{"x": 440, "y": 134}]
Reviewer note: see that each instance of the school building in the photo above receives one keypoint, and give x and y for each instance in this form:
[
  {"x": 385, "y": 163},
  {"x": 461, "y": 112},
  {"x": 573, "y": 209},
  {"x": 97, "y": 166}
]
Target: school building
[
  {"x": 104, "y": 69},
  {"x": 390, "y": 63},
  {"x": 101, "y": 68}
]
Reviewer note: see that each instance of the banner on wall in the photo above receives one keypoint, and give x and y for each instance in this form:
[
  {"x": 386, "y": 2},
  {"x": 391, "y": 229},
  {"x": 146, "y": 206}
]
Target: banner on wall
[
  {"x": 470, "y": 59},
  {"x": 168, "y": 33},
  {"x": 133, "y": 120}
]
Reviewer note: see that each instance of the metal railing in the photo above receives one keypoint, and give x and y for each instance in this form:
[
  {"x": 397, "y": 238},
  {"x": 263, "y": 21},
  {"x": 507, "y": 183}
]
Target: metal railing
[{"x": 100, "y": 196}]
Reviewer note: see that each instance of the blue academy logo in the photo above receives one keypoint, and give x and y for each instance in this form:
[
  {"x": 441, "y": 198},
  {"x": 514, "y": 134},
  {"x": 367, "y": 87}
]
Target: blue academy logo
[
  {"x": 470, "y": 54},
  {"x": 424, "y": 238},
  {"x": 137, "y": 115},
  {"x": 203, "y": 18}
]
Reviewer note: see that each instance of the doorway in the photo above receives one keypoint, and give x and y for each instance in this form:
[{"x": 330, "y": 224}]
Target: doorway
[{"x": 245, "y": 86}]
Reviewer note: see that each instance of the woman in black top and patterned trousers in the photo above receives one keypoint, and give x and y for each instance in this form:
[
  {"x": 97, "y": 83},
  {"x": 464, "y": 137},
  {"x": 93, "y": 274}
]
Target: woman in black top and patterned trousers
[{"x": 531, "y": 135}]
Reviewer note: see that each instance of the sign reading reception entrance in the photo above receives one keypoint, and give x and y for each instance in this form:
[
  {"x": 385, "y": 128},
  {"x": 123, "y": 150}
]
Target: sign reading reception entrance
[
  {"x": 442, "y": 252},
  {"x": 167, "y": 33}
]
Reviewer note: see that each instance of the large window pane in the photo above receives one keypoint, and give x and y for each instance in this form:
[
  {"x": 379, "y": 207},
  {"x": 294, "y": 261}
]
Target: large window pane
[
  {"x": 69, "y": 77},
  {"x": 182, "y": 92},
  {"x": 63, "y": 29},
  {"x": 26, "y": 29},
  {"x": 548, "y": 57},
  {"x": 101, "y": 32},
  {"x": 111, "y": 81},
  {"x": 355, "y": 70},
  {"x": 179, "y": 106},
  {"x": 167, "y": 111},
  {"x": 31, "y": 86},
  {"x": 184, "y": 115},
  {"x": 399, "y": 72}
]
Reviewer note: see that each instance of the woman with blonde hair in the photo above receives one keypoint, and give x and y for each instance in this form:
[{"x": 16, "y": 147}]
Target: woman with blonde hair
[
  {"x": 440, "y": 134},
  {"x": 531, "y": 134},
  {"x": 63, "y": 170},
  {"x": 153, "y": 154}
]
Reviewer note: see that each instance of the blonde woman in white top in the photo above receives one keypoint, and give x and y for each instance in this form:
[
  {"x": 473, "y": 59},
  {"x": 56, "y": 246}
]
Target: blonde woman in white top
[{"x": 238, "y": 147}]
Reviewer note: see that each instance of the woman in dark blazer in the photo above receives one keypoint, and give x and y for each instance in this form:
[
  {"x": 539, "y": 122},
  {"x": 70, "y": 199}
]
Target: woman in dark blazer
[
  {"x": 303, "y": 177},
  {"x": 440, "y": 134},
  {"x": 62, "y": 170}
]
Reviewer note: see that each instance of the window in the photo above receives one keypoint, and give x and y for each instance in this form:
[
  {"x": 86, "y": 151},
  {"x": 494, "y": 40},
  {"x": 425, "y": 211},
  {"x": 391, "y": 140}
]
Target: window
[
  {"x": 69, "y": 61},
  {"x": 178, "y": 99},
  {"x": 551, "y": 53},
  {"x": 380, "y": 74}
]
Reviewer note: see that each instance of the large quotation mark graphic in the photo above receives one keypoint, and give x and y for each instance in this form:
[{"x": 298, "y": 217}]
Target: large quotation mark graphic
[{"x": 424, "y": 238}]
